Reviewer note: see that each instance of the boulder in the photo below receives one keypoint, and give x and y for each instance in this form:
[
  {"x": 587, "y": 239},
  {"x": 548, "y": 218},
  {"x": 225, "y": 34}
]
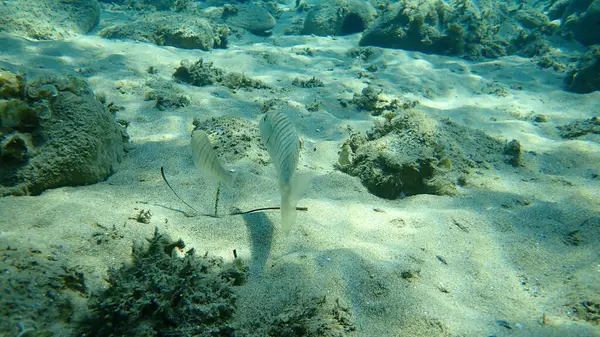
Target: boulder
[
  {"x": 179, "y": 30},
  {"x": 53, "y": 133},
  {"x": 253, "y": 18},
  {"x": 582, "y": 18},
  {"x": 462, "y": 28},
  {"x": 339, "y": 17},
  {"x": 49, "y": 19},
  {"x": 585, "y": 78},
  {"x": 416, "y": 154}
]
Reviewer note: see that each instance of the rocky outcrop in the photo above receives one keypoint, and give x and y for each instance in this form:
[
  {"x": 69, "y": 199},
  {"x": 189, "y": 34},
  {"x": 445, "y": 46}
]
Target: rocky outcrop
[
  {"x": 49, "y": 19},
  {"x": 179, "y": 30}
]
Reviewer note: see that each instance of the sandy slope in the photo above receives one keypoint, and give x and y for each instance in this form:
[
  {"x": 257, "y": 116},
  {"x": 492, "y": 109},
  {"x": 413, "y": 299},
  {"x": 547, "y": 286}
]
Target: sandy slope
[{"x": 502, "y": 239}]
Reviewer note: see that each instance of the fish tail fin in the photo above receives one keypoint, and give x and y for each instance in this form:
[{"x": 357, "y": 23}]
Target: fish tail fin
[
  {"x": 290, "y": 199},
  {"x": 288, "y": 216}
]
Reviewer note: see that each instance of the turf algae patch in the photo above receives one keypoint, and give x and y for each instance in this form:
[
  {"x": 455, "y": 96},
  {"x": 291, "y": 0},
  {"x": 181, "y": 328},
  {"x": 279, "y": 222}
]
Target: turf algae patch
[
  {"x": 312, "y": 317},
  {"x": 580, "y": 128},
  {"x": 162, "y": 294},
  {"x": 39, "y": 293},
  {"x": 233, "y": 139}
]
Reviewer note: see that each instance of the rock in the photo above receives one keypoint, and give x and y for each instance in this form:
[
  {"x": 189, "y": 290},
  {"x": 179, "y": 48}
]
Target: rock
[
  {"x": 557, "y": 9},
  {"x": 165, "y": 94},
  {"x": 415, "y": 154},
  {"x": 202, "y": 73},
  {"x": 172, "y": 29},
  {"x": 161, "y": 5},
  {"x": 584, "y": 78},
  {"x": 580, "y": 128},
  {"x": 415, "y": 27},
  {"x": 55, "y": 133},
  {"x": 339, "y": 17},
  {"x": 253, "y": 18},
  {"x": 582, "y": 18},
  {"x": 49, "y": 19},
  {"x": 459, "y": 28}
]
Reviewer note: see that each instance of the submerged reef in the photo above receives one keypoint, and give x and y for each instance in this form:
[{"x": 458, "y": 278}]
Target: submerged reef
[
  {"x": 54, "y": 132},
  {"x": 415, "y": 154}
]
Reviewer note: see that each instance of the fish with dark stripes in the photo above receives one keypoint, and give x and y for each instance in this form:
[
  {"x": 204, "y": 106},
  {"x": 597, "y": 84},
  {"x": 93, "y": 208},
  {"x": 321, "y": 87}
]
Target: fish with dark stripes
[
  {"x": 279, "y": 136},
  {"x": 206, "y": 159}
]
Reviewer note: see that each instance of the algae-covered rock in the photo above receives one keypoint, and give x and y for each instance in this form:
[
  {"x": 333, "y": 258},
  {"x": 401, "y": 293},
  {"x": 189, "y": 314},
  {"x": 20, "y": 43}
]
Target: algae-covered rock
[
  {"x": 463, "y": 28},
  {"x": 15, "y": 146},
  {"x": 580, "y": 128},
  {"x": 585, "y": 78},
  {"x": 11, "y": 85},
  {"x": 181, "y": 30},
  {"x": 339, "y": 17},
  {"x": 415, "y": 154},
  {"x": 49, "y": 19},
  {"x": 582, "y": 18},
  {"x": 165, "y": 94},
  {"x": 251, "y": 17},
  {"x": 55, "y": 133},
  {"x": 161, "y": 5},
  {"x": 202, "y": 73},
  {"x": 162, "y": 294},
  {"x": 199, "y": 73},
  {"x": 373, "y": 100}
]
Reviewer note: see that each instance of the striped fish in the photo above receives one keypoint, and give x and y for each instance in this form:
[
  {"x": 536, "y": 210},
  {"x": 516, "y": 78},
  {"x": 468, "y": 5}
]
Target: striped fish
[
  {"x": 206, "y": 159},
  {"x": 281, "y": 140}
]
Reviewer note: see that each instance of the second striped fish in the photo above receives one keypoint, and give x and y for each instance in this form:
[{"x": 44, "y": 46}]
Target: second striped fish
[{"x": 206, "y": 159}]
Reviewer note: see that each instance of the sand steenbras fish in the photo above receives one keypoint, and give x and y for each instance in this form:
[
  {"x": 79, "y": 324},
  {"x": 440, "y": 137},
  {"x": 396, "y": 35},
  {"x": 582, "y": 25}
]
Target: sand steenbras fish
[
  {"x": 206, "y": 159},
  {"x": 279, "y": 136}
]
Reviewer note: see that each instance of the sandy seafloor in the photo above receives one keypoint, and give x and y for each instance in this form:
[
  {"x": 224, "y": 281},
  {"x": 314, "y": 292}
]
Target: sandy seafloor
[{"x": 502, "y": 236}]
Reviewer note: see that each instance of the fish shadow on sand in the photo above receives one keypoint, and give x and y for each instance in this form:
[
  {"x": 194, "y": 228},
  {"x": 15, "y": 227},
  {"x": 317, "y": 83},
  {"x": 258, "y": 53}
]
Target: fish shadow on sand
[{"x": 261, "y": 231}]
